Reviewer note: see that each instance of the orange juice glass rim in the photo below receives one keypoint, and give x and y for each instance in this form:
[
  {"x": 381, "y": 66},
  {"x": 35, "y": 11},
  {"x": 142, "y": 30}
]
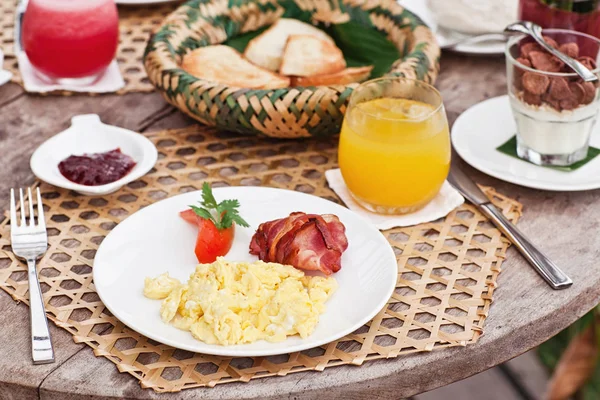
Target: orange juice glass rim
[{"x": 397, "y": 79}]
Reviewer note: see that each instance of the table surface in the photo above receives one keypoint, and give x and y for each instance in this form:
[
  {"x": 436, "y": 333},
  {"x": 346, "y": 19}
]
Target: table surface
[{"x": 525, "y": 312}]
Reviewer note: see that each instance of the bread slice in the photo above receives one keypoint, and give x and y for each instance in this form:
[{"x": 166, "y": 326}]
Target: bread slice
[
  {"x": 343, "y": 77},
  {"x": 307, "y": 55},
  {"x": 225, "y": 65},
  {"x": 266, "y": 50}
]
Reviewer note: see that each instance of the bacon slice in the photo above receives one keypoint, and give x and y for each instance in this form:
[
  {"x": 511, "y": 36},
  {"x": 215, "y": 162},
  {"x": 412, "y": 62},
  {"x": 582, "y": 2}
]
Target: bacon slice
[{"x": 306, "y": 241}]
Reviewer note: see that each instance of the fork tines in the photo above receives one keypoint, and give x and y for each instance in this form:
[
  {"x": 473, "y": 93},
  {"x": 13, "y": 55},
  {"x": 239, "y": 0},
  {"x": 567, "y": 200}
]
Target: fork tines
[{"x": 14, "y": 224}]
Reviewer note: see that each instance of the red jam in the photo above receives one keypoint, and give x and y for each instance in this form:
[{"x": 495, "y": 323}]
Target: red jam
[{"x": 97, "y": 168}]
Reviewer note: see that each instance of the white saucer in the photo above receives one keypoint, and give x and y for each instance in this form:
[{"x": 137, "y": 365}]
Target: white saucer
[
  {"x": 88, "y": 134},
  {"x": 420, "y": 8},
  {"x": 482, "y": 128}
]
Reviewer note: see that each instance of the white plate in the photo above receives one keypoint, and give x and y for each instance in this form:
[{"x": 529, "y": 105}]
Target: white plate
[
  {"x": 482, "y": 128},
  {"x": 88, "y": 134},
  {"x": 420, "y": 8},
  {"x": 156, "y": 240}
]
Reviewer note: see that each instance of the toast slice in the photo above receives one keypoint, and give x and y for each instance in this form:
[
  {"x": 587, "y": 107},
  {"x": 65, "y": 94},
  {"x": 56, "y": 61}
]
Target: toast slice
[
  {"x": 223, "y": 64},
  {"x": 266, "y": 50},
  {"x": 307, "y": 55},
  {"x": 343, "y": 77}
]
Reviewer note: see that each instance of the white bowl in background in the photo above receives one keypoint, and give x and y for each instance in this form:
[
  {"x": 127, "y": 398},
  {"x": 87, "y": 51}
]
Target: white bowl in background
[{"x": 88, "y": 134}]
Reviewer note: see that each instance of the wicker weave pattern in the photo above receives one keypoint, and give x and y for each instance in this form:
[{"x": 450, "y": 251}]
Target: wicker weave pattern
[
  {"x": 447, "y": 269},
  {"x": 281, "y": 113},
  {"x": 135, "y": 24}
]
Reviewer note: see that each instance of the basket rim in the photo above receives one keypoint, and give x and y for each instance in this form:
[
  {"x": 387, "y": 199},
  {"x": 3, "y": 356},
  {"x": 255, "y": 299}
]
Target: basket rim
[
  {"x": 290, "y": 112},
  {"x": 213, "y": 84}
]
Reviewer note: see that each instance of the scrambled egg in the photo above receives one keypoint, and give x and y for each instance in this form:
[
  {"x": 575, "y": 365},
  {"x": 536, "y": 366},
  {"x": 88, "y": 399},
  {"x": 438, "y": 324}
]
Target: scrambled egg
[{"x": 230, "y": 303}]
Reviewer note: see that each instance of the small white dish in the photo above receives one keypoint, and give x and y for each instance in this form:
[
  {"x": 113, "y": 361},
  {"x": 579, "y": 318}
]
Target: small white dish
[
  {"x": 482, "y": 128},
  {"x": 88, "y": 134},
  {"x": 131, "y": 252},
  {"x": 420, "y": 8}
]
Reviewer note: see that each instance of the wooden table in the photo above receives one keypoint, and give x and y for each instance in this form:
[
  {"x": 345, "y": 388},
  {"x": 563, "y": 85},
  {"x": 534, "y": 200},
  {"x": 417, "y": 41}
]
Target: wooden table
[{"x": 525, "y": 312}]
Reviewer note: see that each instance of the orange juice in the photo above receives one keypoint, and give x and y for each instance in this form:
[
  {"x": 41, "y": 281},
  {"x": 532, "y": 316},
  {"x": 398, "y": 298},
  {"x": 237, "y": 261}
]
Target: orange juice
[{"x": 394, "y": 153}]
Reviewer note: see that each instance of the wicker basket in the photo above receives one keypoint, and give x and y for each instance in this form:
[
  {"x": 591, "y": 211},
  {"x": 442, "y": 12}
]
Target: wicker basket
[{"x": 282, "y": 113}]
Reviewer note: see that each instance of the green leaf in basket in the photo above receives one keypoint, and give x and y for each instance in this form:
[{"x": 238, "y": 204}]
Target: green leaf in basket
[
  {"x": 364, "y": 45},
  {"x": 361, "y": 45},
  {"x": 241, "y": 41},
  {"x": 510, "y": 148}
]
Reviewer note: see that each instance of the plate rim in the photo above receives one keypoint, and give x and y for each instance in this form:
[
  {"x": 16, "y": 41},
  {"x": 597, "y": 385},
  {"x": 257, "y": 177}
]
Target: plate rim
[
  {"x": 510, "y": 178},
  {"x": 227, "y": 351}
]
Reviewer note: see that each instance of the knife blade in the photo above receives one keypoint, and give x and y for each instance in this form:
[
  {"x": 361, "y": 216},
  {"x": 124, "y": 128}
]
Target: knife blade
[
  {"x": 551, "y": 273},
  {"x": 467, "y": 187}
]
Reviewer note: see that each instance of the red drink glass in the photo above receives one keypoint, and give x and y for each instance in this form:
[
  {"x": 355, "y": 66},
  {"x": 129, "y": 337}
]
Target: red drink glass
[
  {"x": 576, "y": 15},
  {"x": 71, "y": 41}
]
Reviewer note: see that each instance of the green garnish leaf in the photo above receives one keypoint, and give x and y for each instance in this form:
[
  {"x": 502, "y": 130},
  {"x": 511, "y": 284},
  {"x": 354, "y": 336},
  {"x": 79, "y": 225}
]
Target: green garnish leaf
[
  {"x": 222, "y": 214},
  {"x": 203, "y": 213},
  {"x": 208, "y": 200}
]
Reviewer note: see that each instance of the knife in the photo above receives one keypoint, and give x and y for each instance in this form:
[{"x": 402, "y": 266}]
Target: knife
[{"x": 546, "y": 268}]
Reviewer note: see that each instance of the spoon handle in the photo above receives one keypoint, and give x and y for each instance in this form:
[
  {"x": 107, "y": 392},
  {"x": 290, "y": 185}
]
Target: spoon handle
[{"x": 488, "y": 37}]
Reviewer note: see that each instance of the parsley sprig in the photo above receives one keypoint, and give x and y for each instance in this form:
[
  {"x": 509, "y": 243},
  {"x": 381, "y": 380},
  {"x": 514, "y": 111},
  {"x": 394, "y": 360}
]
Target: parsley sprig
[{"x": 222, "y": 214}]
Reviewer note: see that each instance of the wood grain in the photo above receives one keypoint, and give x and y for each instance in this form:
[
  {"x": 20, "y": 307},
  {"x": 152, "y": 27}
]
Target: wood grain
[{"x": 525, "y": 311}]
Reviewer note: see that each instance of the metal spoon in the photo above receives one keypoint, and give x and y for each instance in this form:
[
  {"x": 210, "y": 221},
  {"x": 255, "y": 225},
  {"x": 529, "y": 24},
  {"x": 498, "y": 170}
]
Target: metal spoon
[
  {"x": 450, "y": 39},
  {"x": 535, "y": 31}
]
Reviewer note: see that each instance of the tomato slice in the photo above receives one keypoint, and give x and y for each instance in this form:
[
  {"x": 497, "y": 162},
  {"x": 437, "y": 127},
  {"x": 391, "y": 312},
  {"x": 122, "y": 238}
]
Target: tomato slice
[
  {"x": 189, "y": 216},
  {"x": 212, "y": 242}
]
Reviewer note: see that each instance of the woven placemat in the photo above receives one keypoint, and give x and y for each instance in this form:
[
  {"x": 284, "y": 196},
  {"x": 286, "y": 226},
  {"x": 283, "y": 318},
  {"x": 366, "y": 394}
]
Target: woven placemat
[
  {"x": 135, "y": 24},
  {"x": 447, "y": 269}
]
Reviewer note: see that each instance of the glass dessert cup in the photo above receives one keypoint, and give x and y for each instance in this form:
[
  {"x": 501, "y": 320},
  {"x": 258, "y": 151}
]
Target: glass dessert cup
[
  {"x": 68, "y": 41},
  {"x": 555, "y": 112},
  {"x": 394, "y": 151}
]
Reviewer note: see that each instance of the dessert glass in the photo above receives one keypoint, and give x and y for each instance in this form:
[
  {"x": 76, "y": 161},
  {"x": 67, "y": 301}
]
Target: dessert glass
[{"x": 555, "y": 112}]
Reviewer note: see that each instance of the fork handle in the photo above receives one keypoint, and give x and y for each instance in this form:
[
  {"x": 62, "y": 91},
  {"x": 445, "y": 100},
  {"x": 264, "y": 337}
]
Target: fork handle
[{"x": 41, "y": 344}]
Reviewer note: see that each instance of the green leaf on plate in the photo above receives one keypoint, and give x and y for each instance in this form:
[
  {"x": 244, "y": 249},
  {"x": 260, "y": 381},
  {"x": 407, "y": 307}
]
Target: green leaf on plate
[{"x": 510, "y": 148}]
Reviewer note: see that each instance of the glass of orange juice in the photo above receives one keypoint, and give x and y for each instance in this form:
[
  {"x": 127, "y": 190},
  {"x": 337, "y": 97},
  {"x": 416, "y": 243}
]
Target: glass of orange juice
[{"x": 394, "y": 150}]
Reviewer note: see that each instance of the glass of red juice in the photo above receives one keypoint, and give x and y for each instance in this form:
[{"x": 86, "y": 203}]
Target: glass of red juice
[
  {"x": 70, "y": 41},
  {"x": 577, "y": 15}
]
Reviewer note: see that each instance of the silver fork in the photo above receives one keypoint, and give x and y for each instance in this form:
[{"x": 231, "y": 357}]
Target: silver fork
[{"x": 30, "y": 242}]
